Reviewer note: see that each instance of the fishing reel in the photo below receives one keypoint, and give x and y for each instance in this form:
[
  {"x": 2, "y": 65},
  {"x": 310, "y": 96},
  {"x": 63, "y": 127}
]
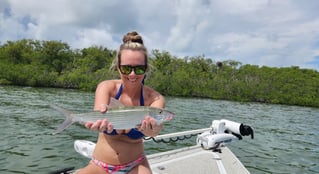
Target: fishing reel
[{"x": 223, "y": 132}]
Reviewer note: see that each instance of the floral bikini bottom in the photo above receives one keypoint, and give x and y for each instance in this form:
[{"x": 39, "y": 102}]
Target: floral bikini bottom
[{"x": 118, "y": 169}]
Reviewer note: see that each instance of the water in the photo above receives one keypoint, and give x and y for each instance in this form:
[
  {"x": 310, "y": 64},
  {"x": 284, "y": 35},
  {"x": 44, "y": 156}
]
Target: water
[{"x": 286, "y": 137}]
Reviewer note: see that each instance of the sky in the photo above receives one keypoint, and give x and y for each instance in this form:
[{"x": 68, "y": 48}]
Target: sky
[{"x": 273, "y": 33}]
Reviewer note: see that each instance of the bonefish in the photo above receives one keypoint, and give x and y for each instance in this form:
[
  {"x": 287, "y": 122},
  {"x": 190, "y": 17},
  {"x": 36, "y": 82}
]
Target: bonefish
[{"x": 121, "y": 117}]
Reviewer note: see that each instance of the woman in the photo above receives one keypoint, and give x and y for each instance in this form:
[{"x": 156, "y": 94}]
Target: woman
[{"x": 122, "y": 151}]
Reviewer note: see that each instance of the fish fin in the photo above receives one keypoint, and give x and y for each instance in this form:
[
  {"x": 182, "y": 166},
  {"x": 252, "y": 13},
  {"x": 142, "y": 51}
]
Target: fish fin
[
  {"x": 114, "y": 104},
  {"x": 68, "y": 118},
  {"x": 67, "y": 122}
]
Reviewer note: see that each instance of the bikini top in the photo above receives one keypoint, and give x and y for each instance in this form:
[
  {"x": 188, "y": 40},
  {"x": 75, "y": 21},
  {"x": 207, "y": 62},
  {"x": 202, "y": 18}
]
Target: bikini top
[{"x": 133, "y": 133}]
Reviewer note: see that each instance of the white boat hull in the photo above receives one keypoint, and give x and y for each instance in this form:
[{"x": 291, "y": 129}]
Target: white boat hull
[{"x": 196, "y": 160}]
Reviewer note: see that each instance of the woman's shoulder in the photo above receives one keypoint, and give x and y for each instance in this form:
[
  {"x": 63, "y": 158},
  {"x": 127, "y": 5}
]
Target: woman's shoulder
[
  {"x": 108, "y": 85},
  {"x": 150, "y": 90},
  {"x": 153, "y": 97}
]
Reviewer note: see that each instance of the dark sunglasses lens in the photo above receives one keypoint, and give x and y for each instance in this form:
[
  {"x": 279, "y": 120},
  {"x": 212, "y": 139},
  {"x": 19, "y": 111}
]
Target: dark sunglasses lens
[
  {"x": 139, "y": 70},
  {"x": 125, "y": 69}
]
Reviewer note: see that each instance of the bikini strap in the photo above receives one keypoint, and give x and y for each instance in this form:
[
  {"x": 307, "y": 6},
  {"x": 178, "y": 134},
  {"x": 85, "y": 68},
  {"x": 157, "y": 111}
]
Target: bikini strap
[
  {"x": 142, "y": 98},
  {"x": 119, "y": 92}
]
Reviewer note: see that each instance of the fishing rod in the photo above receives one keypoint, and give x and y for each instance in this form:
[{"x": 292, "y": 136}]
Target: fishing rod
[{"x": 186, "y": 134}]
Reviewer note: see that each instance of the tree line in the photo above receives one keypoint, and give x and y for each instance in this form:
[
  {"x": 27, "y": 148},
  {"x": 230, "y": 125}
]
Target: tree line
[{"x": 54, "y": 64}]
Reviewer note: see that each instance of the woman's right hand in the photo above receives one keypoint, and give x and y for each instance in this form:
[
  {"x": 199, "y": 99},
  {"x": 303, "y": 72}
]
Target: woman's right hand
[{"x": 100, "y": 125}]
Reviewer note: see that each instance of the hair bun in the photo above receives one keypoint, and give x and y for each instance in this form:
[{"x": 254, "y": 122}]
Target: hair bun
[{"x": 132, "y": 37}]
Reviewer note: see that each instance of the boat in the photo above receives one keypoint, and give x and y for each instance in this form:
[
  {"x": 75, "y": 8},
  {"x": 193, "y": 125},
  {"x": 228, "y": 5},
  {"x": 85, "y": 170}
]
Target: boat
[{"x": 209, "y": 154}]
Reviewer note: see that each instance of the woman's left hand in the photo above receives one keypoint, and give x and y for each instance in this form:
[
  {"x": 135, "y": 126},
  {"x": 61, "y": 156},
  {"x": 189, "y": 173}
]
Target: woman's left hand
[{"x": 149, "y": 127}]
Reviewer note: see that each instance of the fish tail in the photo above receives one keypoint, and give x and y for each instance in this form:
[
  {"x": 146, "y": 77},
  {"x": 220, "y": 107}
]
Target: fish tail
[{"x": 68, "y": 119}]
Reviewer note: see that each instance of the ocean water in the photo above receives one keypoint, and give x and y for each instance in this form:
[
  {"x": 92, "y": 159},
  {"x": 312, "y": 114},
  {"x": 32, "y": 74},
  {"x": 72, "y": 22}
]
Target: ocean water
[{"x": 286, "y": 137}]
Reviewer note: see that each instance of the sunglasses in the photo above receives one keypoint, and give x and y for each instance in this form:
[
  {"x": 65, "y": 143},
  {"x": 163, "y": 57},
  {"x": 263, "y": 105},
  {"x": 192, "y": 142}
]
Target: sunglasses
[{"x": 127, "y": 69}]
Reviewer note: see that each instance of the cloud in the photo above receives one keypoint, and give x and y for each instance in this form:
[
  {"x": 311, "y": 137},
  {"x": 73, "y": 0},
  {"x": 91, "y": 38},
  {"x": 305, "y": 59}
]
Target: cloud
[
  {"x": 90, "y": 37},
  {"x": 264, "y": 32}
]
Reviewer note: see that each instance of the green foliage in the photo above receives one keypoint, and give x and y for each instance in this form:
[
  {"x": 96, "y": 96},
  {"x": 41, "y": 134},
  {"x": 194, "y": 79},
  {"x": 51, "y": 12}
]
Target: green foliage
[{"x": 54, "y": 64}]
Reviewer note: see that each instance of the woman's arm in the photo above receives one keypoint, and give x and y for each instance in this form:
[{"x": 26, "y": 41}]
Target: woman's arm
[
  {"x": 102, "y": 97},
  {"x": 149, "y": 126}
]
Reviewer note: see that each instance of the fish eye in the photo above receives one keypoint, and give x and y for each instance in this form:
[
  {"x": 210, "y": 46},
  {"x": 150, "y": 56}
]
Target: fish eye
[{"x": 160, "y": 111}]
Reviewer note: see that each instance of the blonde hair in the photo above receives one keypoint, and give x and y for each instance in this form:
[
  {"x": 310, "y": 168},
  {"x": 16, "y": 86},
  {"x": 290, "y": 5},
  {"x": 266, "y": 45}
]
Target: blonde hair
[{"x": 131, "y": 41}]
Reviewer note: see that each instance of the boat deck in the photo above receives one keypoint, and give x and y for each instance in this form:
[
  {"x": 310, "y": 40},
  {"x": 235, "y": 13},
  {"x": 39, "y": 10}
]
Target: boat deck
[{"x": 196, "y": 160}]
